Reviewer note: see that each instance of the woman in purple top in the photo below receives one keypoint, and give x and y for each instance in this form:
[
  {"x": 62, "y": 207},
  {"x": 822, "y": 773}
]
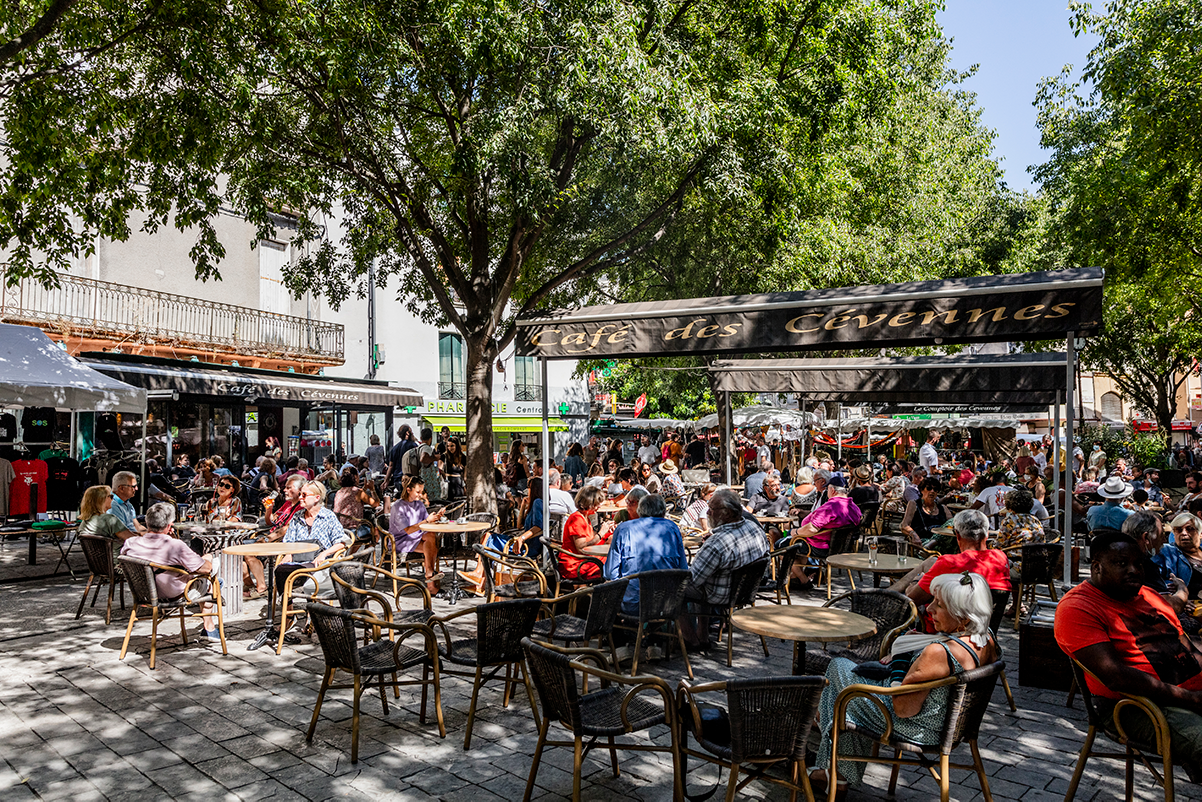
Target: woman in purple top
[{"x": 405, "y": 517}]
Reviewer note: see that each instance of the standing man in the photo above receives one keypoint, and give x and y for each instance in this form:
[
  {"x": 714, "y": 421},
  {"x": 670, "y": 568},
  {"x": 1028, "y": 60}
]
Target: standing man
[
  {"x": 762, "y": 451},
  {"x": 404, "y": 442},
  {"x": 928, "y": 455},
  {"x": 591, "y": 452},
  {"x": 648, "y": 454},
  {"x": 125, "y": 487}
]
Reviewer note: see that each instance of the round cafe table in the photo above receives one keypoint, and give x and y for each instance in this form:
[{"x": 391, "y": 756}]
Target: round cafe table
[
  {"x": 453, "y": 591},
  {"x": 268, "y": 552},
  {"x": 609, "y": 507},
  {"x": 802, "y": 624},
  {"x": 890, "y": 564}
]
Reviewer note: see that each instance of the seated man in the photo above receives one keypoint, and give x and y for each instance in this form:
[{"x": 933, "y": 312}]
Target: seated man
[
  {"x": 1111, "y": 513},
  {"x": 125, "y": 487},
  {"x": 159, "y": 545},
  {"x": 645, "y": 543},
  {"x": 559, "y": 501},
  {"x": 817, "y": 527},
  {"x": 733, "y": 543},
  {"x": 770, "y": 501},
  {"x": 972, "y": 529},
  {"x": 754, "y": 483},
  {"x": 1130, "y": 639}
]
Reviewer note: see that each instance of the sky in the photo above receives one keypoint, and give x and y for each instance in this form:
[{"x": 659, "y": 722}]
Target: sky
[{"x": 1016, "y": 43}]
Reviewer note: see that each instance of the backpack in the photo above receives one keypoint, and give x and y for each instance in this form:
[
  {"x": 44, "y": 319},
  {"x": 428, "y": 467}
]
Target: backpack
[{"x": 411, "y": 463}]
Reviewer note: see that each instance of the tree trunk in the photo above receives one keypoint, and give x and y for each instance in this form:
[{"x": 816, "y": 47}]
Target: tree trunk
[{"x": 478, "y": 475}]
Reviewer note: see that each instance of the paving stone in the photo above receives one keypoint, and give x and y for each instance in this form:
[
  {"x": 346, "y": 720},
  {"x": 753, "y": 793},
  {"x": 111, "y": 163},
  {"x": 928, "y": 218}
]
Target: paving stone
[{"x": 231, "y": 771}]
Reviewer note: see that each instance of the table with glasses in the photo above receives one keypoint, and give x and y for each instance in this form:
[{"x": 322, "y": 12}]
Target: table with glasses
[
  {"x": 887, "y": 564},
  {"x": 453, "y": 591},
  {"x": 268, "y": 553},
  {"x": 802, "y": 625}
]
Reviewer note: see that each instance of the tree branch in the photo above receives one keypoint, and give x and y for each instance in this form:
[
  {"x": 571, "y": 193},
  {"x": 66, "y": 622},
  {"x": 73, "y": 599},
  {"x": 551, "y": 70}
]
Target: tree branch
[{"x": 36, "y": 32}]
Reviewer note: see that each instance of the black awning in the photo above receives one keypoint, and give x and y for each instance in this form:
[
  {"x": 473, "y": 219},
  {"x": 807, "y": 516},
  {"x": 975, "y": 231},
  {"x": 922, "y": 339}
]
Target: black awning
[
  {"x": 1017, "y": 307},
  {"x": 1016, "y": 380},
  {"x": 254, "y": 386}
]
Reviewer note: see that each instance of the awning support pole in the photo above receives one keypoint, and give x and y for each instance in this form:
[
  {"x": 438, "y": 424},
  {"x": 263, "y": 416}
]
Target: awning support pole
[
  {"x": 1056, "y": 453},
  {"x": 142, "y": 482},
  {"x": 546, "y": 457},
  {"x": 729, "y": 445},
  {"x": 1066, "y": 538},
  {"x": 868, "y": 445},
  {"x": 805, "y": 430}
]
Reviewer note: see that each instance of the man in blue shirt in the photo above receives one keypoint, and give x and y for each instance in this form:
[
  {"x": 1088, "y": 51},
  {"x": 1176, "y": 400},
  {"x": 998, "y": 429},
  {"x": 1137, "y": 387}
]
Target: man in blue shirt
[
  {"x": 125, "y": 487},
  {"x": 1110, "y": 514},
  {"x": 647, "y": 543}
]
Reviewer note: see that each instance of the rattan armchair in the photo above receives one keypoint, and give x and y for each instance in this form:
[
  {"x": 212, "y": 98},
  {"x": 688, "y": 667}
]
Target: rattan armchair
[
  {"x": 618, "y": 707},
  {"x": 500, "y": 628},
  {"x": 744, "y": 585},
  {"x": 893, "y": 614},
  {"x": 510, "y": 576},
  {"x": 661, "y": 597},
  {"x": 842, "y": 540},
  {"x": 767, "y": 721},
  {"x": 379, "y": 660},
  {"x": 563, "y": 579},
  {"x": 139, "y": 575},
  {"x": 318, "y": 593},
  {"x": 604, "y": 604},
  {"x": 1112, "y": 727},
  {"x": 777, "y": 589},
  {"x": 1037, "y": 566},
  {"x": 350, "y": 588},
  {"x": 967, "y": 701},
  {"x": 98, "y": 551}
]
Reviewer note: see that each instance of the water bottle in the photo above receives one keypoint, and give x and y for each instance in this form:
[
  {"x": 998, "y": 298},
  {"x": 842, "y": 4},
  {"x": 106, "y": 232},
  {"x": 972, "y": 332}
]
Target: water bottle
[{"x": 872, "y": 551}]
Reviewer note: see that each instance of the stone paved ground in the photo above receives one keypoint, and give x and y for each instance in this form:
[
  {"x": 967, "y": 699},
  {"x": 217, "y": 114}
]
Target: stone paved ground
[{"x": 75, "y": 722}]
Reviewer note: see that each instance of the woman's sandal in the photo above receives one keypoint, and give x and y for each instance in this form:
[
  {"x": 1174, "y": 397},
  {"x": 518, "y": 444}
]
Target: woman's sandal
[{"x": 819, "y": 786}]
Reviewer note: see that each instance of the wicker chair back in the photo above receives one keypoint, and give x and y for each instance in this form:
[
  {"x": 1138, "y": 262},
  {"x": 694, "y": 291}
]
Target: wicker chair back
[
  {"x": 98, "y": 551},
  {"x": 1001, "y": 598},
  {"x": 888, "y": 608},
  {"x": 842, "y": 539},
  {"x": 336, "y": 633},
  {"x": 500, "y": 627},
  {"x": 661, "y": 593},
  {"x": 745, "y": 582},
  {"x": 1039, "y": 563},
  {"x": 966, "y": 704},
  {"x": 354, "y": 574},
  {"x": 139, "y": 575},
  {"x": 771, "y": 717},
  {"x": 604, "y": 604},
  {"x": 555, "y": 682}
]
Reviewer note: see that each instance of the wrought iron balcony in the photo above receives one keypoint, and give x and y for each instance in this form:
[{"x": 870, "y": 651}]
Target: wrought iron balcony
[
  {"x": 527, "y": 392},
  {"x": 452, "y": 391},
  {"x": 82, "y": 307}
]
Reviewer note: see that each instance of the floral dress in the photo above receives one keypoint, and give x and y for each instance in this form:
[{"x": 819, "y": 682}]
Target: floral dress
[
  {"x": 1017, "y": 528},
  {"x": 894, "y": 489}
]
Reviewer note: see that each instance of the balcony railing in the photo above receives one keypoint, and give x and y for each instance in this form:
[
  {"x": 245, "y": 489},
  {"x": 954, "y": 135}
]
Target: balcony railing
[
  {"x": 452, "y": 391},
  {"x": 527, "y": 392},
  {"x": 101, "y": 309}
]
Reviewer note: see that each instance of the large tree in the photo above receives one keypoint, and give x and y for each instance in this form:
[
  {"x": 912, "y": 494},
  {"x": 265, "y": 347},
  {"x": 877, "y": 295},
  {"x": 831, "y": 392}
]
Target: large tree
[{"x": 491, "y": 158}]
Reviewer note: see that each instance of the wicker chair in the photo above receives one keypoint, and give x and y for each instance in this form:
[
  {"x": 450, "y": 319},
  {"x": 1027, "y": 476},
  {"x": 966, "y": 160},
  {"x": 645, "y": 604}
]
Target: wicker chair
[
  {"x": 661, "y": 597},
  {"x": 319, "y": 593},
  {"x": 565, "y": 583},
  {"x": 1037, "y": 567},
  {"x": 842, "y": 540},
  {"x": 767, "y": 721},
  {"x": 139, "y": 575},
  {"x": 870, "y": 516},
  {"x": 500, "y": 628},
  {"x": 893, "y": 613},
  {"x": 525, "y": 580},
  {"x": 774, "y": 590},
  {"x": 744, "y": 585},
  {"x": 350, "y": 588},
  {"x": 1161, "y": 748},
  {"x": 336, "y": 632},
  {"x": 98, "y": 551},
  {"x": 607, "y": 712},
  {"x": 604, "y": 604},
  {"x": 1000, "y": 599},
  {"x": 966, "y": 705}
]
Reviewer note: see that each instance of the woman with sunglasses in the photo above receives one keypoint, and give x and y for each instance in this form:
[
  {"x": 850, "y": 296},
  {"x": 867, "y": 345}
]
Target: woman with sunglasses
[
  {"x": 1183, "y": 557},
  {"x": 225, "y": 504}
]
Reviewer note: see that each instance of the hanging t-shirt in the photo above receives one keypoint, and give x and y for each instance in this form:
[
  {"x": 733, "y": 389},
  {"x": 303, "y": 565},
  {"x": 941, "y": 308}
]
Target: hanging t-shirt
[
  {"x": 28, "y": 473},
  {"x": 8, "y": 427},
  {"x": 64, "y": 488},
  {"x": 106, "y": 431},
  {"x": 7, "y": 474},
  {"x": 38, "y": 424}
]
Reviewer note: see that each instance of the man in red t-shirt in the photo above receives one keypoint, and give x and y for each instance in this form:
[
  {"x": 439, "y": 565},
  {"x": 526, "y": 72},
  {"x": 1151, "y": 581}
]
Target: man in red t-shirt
[
  {"x": 971, "y": 528},
  {"x": 1130, "y": 639}
]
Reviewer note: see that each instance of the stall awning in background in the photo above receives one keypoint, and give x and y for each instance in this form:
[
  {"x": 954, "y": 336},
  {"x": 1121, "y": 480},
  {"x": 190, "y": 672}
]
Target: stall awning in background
[
  {"x": 459, "y": 424},
  {"x": 36, "y": 372},
  {"x": 995, "y": 379},
  {"x": 1016, "y": 307}
]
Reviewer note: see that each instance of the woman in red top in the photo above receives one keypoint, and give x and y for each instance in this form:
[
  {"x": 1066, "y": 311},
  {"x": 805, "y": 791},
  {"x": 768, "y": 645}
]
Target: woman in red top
[{"x": 578, "y": 533}]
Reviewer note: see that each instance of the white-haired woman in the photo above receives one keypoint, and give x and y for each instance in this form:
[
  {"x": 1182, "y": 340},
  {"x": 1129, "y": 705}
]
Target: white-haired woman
[{"x": 960, "y": 613}]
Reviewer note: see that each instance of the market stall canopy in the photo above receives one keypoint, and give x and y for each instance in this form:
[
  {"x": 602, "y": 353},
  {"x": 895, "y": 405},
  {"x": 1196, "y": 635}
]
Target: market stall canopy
[
  {"x": 942, "y": 424},
  {"x": 36, "y": 372},
  {"x": 761, "y": 416},
  {"x": 652, "y": 423},
  {"x": 1017, "y": 307},
  {"x": 997, "y": 379},
  {"x": 248, "y": 384}
]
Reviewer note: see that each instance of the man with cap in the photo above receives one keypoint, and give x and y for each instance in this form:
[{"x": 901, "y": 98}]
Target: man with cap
[
  {"x": 1151, "y": 484},
  {"x": 1110, "y": 514}
]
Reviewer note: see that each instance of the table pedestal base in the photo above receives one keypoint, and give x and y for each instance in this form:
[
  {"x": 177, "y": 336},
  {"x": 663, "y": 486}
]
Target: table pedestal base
[
  {"x": 799, "y": 658},
  {"x": 230, "y": 571}
]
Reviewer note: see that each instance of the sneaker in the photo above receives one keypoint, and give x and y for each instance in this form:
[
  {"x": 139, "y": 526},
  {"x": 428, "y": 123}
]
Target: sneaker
[
  {"x": 624, "y": 653},
  {"x": 210, "y": 635},
  {"x": 653, "y": 653}
]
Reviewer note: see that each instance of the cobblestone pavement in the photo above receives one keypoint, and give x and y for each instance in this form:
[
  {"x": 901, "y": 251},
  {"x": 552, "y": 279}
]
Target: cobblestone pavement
[{"x": 75, "y": 722}]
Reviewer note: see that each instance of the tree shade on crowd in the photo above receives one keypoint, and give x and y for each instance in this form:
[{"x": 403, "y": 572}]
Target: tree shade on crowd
[{"x": 1008, "y": 308}]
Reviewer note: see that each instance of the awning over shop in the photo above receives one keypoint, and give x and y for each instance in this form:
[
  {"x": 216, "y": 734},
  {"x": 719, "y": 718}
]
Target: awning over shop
[
  {"x": 1018, "y": 307},
  {"x": 36, "y": 372},
  {"x": 250, "y": 386},
  {"x": 994, "y": 379},
  {"x": 502, "y": 425}
]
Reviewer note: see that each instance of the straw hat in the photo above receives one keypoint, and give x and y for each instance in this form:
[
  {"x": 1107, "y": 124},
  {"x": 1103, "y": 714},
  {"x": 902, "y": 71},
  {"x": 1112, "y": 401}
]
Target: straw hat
[
  {"x": 864, "y": 473},
  {"x": 668, "y": 466},
  {"x": 1115, "y": 487}
]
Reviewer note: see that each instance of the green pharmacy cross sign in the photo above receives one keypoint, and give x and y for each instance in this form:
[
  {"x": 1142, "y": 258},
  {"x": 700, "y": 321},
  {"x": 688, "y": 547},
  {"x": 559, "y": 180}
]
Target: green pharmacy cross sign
[{"x": 564, "y": 408}]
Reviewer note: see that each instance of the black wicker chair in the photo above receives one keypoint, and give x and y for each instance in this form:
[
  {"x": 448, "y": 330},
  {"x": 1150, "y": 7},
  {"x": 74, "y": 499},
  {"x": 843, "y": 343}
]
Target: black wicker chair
[
  {"x": 842, "y": 541},
  {"x": 744, "y": 585},
  {"x": 776, "y": 590},
  {"x": 661, "y": 597},
  {"x": 870, "y": 514},
  {"x": 893, "y": 613},
  {"x": 350, "y": 589},
  {"x": 524, "y": 579},
  {"x": 604, "y": 604},
  {"x": 500, "y": 628},
  {"x": 607, "y": 712},
  {"x": 1037, "y": 567},
  {"x": 966, "y": 705},
  {"x": 1161, "y": 748},
  {"x": 139, "y": 575},
  {"x": 767, "y": 721},
  {"x": 1000, "y": 599},
  {"x": 564, "y": 582},
  {"x": 98, "y": 551},
  {"x": 336, "y": 632}
]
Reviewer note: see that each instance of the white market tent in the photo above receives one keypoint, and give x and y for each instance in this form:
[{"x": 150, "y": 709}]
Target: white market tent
[
  {"x": 36, "y": 372},
  {"x": 761, "y": 416}
]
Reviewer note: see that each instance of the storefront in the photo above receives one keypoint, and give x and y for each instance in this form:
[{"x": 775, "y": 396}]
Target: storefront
[
  {"x": 204, "y": 410},
  {"x": 512, "y": 420}
]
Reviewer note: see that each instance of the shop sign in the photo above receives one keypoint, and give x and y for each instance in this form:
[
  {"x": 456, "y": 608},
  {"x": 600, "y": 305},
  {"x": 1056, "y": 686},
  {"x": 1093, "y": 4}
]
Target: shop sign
[{"x": 517, "y": 409}]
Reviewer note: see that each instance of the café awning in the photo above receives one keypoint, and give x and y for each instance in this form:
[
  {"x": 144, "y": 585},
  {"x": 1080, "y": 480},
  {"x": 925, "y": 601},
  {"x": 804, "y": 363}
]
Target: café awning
[{"x": 1015, "y": 307}]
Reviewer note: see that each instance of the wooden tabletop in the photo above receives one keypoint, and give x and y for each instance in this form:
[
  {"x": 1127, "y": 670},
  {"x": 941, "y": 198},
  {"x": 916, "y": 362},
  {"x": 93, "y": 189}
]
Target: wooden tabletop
[
  {"x": 271, "y": 549},
  {"x": 597, "y": 550},
  {"x": 774, "y": 519},
  {"x": 800, "y": 623},
  {"x": 885, "y": 563},
  {"x": 447, "y": 527},
  {"x": 608, "y": 507}
]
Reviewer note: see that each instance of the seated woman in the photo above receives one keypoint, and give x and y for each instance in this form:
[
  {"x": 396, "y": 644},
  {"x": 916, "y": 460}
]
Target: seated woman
[
  {"x": 405, "y": 517},
  {"x": 696, "y": 515},
  {"x": 804, "y": 493},
  {"x": 205, "y": 476},
  {"x": 225, "y": 504},
  {"x": 95, "y": 518},
  {"x": 578, "y": 533},
  {"x": 524, "y": 542},
  {"x": 960, "y": 611},
  {"x": 596, "y": 476},
  {"x": 1017, "y": 525},
  {"x": 1183, "y": 557},
  {"x": 350, "y": 503},
  {"x": 925, "y": 515},
  {"x": 894, "y": 488}
]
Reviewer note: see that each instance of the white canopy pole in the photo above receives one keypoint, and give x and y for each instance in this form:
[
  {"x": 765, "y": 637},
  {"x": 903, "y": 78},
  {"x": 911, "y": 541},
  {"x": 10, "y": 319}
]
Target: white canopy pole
[
  {"x": 546, "y": 457},
  {"x": 1056, "y": 454},
  {"x": 729, "y": 443},
  {"x": 1067, "y": 533}
]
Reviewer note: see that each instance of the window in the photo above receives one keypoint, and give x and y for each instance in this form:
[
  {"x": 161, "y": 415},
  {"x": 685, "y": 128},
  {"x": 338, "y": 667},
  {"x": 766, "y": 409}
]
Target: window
[
  {"x": 1111, "y": 406},
  {"x": 527, "y": 384},
  {"x": 451, "y": 372}
]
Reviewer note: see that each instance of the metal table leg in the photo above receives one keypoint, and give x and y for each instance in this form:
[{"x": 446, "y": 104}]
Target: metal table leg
[{"x": 269, "y": 631}]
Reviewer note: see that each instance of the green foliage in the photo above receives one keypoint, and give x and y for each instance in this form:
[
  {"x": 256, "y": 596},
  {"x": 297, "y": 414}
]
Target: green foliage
[{"x": 1149, "y": 450}]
